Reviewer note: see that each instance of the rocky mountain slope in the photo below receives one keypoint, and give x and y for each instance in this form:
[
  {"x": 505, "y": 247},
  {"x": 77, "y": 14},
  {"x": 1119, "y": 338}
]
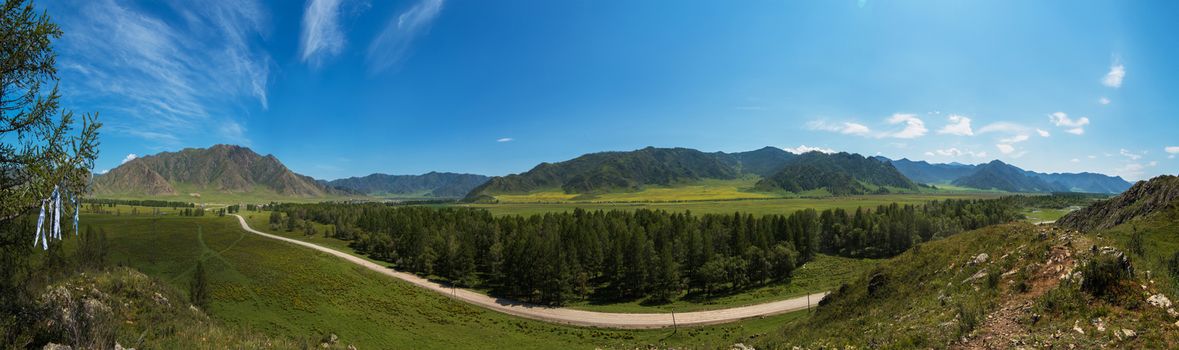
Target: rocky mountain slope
[
  {"x": 1144, "y": 198},
  {"x": 1005, "y": 177},
  {"x": 221, "y": 168}
]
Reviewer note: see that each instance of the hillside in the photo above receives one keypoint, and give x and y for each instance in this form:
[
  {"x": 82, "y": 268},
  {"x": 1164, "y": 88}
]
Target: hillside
[
  {"x": 1011, "y": 286},
  {"x": 1005, "y": 177},
  {"x": 1144, "y": 198},
  {"x": 1086, "y": 182},
  {"x": 840, "y": 173},
  {"x": 931, "y": 173},
  {"x": 432, "y": 184},
  {"x": 629, "y": 171},
  {"x": 218, "y": 169},
  {"x": 947, "y": 173}
]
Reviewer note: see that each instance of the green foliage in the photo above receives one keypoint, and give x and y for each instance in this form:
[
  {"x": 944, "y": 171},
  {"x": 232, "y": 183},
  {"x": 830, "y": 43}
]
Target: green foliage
[
  {"x": 1005, "y": 177},
  {"x": 1105, "y": 273},
  {"x": 841, "y": 174},
  {"x": 198, "y": 290}
]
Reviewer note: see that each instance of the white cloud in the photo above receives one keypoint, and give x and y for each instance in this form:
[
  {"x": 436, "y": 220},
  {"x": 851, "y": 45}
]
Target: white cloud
[
  {"x": 1005, "y": 148},
  {"x": 1075, "y": 160},
  {"x": 847, "y": 128},
  {"x": 804, "y": 149},
  {"x": 854, "y": 129},
  {"x": 914, "y": 127},
  {"x": 1092, "y": 157},
  {"x": 321, "y": 36},
  {"x": 1130, "y": 171},
  {"x": 959, "y": 125},
  {"x": 1043, "y": 133},
  {"x": 955, "y": 152},
  {"x": 1015, "y": 139},
  {"x": 1128, "y": 154},
  {"x": 1171, "y": 149},
  {"x": 103, "y": 171},
  {"x": 1075, "y": 127},
  {"x": 391, "y": 45},
  {"x": 505, "y": 139},
  {"x": 1103, "y": 100},
  {"x": 1113, "y": 79},
  {"x": 1153, "y": 163},
  {"x": 164, "y": 79},
  {"x": 1007, "y": 127},
  {"x": 128, "y": 158}
]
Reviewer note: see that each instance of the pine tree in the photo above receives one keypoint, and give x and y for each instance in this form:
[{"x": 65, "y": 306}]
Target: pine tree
[{"x": 198, "y": 291}]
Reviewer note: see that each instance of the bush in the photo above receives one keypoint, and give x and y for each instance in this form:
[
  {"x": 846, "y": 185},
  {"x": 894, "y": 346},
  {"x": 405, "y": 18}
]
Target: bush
[{"x": 1105, "y": 272}]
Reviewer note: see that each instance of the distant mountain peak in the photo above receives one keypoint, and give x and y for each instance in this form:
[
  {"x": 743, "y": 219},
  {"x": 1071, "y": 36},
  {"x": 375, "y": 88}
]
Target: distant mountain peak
[{"x": 219, "y": 168}]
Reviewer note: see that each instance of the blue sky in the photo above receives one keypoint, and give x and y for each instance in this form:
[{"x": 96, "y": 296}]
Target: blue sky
[{"x": 338, "y": 88}]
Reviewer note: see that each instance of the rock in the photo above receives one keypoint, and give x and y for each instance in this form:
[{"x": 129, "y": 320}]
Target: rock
[
  {"x": 981, "y": 258},
  {"x": 977, "y": 275},
  {"x": 1099, "y": 324},
  {"x": 55, "y": 346},
  {"x": 1129, "y": 334},
  {"x": 1172, "y": 312},
  {"x": 740, "y": 346},
  {"x": 1077, "y": 327},
  {"x": 120, "y": 347},
  {"x": 351, "y": 347},
  {"x": 332, "y": 338},
  {"x": 1159, "y": 300},
  {"x": 160, "y": 299}
]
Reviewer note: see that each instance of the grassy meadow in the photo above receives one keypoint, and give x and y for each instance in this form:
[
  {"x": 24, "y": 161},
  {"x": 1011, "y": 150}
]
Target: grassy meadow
[
  {"x": 752, "y": 206},
  {"x": 279, "y": 289}
]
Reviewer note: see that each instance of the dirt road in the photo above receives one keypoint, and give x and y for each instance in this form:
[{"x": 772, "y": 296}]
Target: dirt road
[{"x": 571, "y": 316}]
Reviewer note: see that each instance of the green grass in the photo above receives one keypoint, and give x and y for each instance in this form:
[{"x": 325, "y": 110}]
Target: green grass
[
  {"x": 280, "y": 289},
  {"x": 707, "y": 189},
  {"x": 752, "y": 206},
  {"x": 920, "y": 296},
  {"x": 258, "y": 196},
  {"x": 823, "y": 274},
  {"x": 1040, "y": 215}
]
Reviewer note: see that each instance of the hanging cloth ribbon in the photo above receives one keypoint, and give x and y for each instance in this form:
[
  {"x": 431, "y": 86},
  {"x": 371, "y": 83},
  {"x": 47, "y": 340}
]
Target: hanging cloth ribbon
[
  {"x": 40, "y": 223},
  {"x": 56, "y": 213},
  {"x": 77, "y": 209}
]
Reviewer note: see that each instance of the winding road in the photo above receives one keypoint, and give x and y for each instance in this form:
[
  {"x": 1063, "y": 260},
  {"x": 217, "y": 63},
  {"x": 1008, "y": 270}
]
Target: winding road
[{"x": 571, "y": 316}]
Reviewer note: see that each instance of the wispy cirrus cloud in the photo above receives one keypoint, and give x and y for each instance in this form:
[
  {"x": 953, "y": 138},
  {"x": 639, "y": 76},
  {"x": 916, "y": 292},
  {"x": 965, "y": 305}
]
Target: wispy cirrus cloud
[
  {"x": 1171, "y": 151},
  {"x": 321, "y": 36},
  {"x": 505, "y": 139},
  {"x": 164, "y": 78},
  {"x": 913, "y": 127},
  {"x": 847, "y": 128},
  {"x": 391, "y": 45}
]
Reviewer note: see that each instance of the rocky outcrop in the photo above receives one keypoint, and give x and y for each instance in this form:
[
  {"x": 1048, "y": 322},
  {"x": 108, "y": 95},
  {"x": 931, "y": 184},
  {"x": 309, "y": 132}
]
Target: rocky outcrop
[{"x": 1142, "y": 199}]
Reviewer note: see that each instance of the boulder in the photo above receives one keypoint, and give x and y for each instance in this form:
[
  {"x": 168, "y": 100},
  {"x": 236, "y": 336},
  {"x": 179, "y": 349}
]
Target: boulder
[
  {"x": 1159, "y": 300},
  {"x": 979, "y": 259}
]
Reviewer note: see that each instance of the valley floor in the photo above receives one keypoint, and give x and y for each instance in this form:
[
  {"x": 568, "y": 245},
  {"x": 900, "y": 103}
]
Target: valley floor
[{"x": 572, "y": 316}]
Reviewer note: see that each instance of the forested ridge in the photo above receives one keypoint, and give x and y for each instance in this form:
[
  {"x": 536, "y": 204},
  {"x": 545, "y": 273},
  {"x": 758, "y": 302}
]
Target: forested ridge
[{"x": 556, "y": 258}]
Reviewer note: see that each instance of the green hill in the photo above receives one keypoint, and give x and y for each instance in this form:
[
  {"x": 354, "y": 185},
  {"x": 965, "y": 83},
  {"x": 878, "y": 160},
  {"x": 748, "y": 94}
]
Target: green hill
[
  {"x": 432, "y": 184},
  {"x": 1005, "y": 177},
  {"x": 222, "y": 169},
  {"x": 1144, "y": 198},
  {"x": 840, "y": 174},
  {"x": 630, "y": 171}
]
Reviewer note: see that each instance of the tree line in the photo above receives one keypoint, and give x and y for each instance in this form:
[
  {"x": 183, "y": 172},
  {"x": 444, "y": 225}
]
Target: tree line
[{"x": 555, "y": 258}]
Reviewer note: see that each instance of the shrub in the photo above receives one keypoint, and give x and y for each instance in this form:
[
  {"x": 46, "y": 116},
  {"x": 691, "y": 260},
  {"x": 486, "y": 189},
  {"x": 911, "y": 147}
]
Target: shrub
[{"x": 1105, "y": 272}]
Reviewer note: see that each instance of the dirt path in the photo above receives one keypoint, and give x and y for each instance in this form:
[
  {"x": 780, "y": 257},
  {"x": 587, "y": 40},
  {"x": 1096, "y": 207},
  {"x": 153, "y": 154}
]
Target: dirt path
[
  {"x": 1002, "y": 328},
  {"x": 571, "y": 316}
]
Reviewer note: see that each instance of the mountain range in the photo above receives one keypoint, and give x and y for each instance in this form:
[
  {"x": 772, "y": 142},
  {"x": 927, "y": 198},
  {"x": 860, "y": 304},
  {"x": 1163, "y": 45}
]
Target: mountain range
[
  {"x": 236, "y": 169},
  {"x": 432, "y": 184},
  {"x": 1006, "y": 177}
]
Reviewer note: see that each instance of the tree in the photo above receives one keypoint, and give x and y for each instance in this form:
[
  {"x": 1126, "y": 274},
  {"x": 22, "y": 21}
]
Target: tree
[
  {"x": 38, "y": 146},
  {"x": 198, "y": 291}
]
